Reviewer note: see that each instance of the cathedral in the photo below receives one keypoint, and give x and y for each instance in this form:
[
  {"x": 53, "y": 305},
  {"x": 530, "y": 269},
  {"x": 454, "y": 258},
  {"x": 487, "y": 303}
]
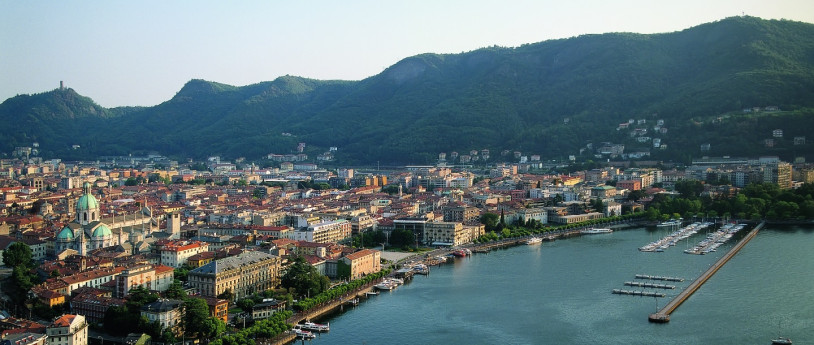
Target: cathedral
[{"x": 88, "y": 231}]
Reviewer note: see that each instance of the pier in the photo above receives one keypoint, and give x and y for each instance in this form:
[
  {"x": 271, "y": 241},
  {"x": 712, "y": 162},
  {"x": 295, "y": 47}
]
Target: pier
[{"x": 663, "y": 315}]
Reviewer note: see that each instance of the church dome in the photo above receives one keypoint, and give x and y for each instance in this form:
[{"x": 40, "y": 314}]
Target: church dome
[
  {"x": 65, "y": 234},
  {"x": 102, "y": 231},
  {"x": 87, "y": 201}
]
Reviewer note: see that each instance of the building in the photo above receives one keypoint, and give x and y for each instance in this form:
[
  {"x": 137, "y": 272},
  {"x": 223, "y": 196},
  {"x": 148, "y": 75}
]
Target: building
[
  {"x": 603, "y": 192},
  {"x": 167, "y": 312},
  {"x": 243, "y": 275},
  {"x": 27, "y": 338},
  {"x": 94, "y": 307},
  {"x": 86, "y": 232},
  {"x": 267, "y": 308},
  {"x": 218, "y": 308},
  {"x": 445, "y": 234},
  {"x": 176, "y": 253},
  {"x": 68, "y": 329},
  {"x": 359, "y": 264},
  {"x": 325, "y": 232},
  {"x": 461, "y": 214},
  {"x": 629, "y": 184},
  {"x": 151, "y": 277}
]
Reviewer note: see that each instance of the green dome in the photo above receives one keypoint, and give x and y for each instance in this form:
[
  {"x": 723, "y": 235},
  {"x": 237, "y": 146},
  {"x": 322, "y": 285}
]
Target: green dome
[
  {"x": 87, "y": 201},
  {"x": 65, "y": 234},
  {"x": 102, "y": 231}
]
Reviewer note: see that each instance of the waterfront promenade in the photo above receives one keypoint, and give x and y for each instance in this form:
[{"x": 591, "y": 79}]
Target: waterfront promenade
[{"x": 663, "y": 315}]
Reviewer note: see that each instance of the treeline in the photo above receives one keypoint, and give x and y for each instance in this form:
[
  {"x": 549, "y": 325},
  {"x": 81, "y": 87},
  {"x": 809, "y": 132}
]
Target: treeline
[
  {"x": 266, "y": 328},
  {"x": 755, "y": 201},
  {"x": 337, "y": 291},
  {"x": 524, "y": 229}
]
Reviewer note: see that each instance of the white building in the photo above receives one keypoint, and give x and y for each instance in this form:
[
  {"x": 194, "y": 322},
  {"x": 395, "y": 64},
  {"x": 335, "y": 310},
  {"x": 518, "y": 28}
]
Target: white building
[
  {"x": 176, "y": 253},
  {"x": 68, "y": 330}
]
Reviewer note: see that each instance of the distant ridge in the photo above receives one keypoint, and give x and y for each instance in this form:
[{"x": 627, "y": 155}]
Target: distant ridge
[{"x": 552, "y": 98}]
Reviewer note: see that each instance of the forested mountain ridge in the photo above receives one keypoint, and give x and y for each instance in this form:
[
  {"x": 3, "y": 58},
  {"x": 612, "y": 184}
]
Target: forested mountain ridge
[{"x": 549, "y": 98}]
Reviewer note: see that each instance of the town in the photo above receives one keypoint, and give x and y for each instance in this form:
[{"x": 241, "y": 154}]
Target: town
[{"x": 143, "y": 248}]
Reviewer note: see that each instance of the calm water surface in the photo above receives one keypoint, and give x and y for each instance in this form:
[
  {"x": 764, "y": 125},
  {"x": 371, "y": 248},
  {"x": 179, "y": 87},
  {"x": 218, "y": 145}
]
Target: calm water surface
[{"x": 560, "y": 293}]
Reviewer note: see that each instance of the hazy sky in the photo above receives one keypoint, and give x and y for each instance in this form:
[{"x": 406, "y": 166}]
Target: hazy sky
[{"x": 142, "y": 52}]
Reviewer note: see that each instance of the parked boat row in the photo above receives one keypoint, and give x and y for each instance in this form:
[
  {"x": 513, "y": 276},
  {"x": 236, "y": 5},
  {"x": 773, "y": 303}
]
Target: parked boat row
[
  {"x": 673, "y": 238},
  {"x": 715, "y": 239},
  {"x": 638, "y": 293},
  {"x": 649, "y": 277},
  {"x": 650, "y": 285}
]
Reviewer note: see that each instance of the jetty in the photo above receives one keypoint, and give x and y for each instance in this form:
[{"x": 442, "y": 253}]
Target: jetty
[{"x": 663, "y": 315}]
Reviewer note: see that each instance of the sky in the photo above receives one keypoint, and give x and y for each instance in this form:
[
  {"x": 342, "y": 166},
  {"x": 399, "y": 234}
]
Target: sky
[{"x": 140, "y": 53}]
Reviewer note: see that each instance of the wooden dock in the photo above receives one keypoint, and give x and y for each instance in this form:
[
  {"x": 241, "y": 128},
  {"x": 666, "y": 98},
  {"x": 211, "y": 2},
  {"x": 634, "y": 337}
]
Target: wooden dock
[{"x": 663, "y": 315}]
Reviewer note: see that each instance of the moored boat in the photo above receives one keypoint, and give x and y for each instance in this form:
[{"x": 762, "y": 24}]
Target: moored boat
[
  {"x": 310, "y": 326},
  {"x": 596, "y": 231},
  {"x": 534, "y": 240}
]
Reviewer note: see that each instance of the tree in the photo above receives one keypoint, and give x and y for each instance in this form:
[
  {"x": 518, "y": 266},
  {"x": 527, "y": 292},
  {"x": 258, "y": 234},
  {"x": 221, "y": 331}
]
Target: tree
[
  {"x": 304, "y": 278},
  {"x": 131, "y": 181},
  {"x": 197, "y": 322},
  {"x": 18, "y": 254},
  {"x": 402, "y": 238},
  {"x": 489, "y": 220},
  {"x": 176, "y": 290},
  {"x": 227, "y": 294}
]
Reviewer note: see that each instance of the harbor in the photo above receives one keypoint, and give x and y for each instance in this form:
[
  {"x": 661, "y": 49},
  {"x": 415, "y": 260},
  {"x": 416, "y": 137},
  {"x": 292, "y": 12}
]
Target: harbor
[
  {"x": 663, "y": 315},
  {"x": 448, "y": 305}
]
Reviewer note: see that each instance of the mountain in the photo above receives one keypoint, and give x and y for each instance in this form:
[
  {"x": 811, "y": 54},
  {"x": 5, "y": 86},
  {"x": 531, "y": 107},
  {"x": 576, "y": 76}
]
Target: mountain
[{"x": 550, "y": 98}]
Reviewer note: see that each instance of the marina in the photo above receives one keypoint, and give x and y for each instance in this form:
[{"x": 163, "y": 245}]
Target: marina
[
  {"x": 443, "y": 308},
  {"x": 663, "y": 315},
  {"x": 715, "y": 239},
  {"x": 676, "y": 236}
]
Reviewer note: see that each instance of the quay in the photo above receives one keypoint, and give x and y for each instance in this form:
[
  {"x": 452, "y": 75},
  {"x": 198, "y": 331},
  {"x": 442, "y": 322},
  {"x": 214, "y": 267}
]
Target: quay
[{"x": 663, "y": 315}]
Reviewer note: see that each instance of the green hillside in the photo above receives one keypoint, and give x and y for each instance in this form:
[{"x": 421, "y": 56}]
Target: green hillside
[{"x": 549, "y": 98}]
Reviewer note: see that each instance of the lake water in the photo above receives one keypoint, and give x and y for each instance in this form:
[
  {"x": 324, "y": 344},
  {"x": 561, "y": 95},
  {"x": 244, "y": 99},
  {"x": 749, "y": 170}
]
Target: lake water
[{"x": 560, "y": 293}]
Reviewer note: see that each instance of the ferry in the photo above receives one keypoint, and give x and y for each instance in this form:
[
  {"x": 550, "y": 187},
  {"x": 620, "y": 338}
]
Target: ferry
[
  {"x": 596, "y": 231},
  {"x": 310, "y": 326},
  {"x": 534, "y": 240}
]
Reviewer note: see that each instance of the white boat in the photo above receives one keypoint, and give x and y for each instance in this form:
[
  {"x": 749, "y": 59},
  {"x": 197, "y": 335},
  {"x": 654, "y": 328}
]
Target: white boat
[
  {"x": 303, "y": 334},
  {"x": 596, "y": 231},
  {"x": 781, "y": 341},
  {"x": 310, "y": 326},
  {"x": 385, "y": 285},
  {"x": 534, "y": 240}
]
